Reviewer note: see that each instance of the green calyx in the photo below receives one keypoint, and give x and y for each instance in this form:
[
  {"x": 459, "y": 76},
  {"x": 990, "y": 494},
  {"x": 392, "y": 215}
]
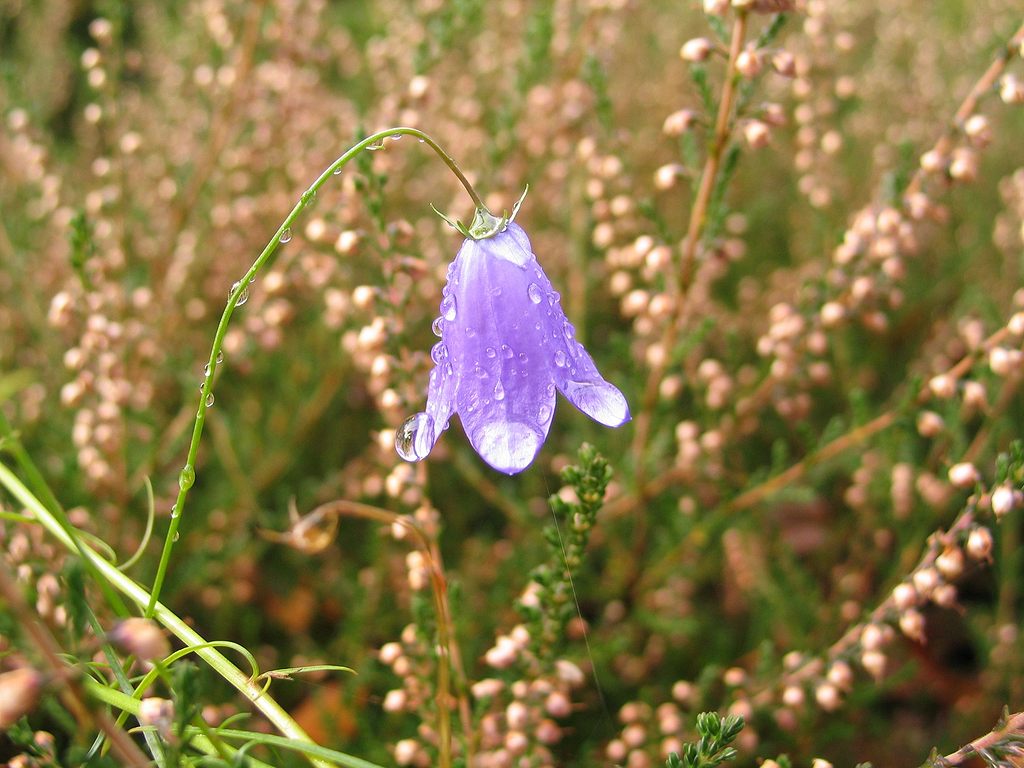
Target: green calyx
[{"x": 484, "y": 224}]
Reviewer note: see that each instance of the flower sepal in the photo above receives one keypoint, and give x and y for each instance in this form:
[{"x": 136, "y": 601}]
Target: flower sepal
[{"x": 484, "y": 224}]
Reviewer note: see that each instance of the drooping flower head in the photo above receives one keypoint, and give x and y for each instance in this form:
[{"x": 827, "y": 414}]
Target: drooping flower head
[{"x": 506, "y": 347}]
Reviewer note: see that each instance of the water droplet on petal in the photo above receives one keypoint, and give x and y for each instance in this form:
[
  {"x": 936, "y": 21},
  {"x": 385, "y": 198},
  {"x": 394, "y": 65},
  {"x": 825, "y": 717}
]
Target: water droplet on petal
[
  {"x": 560, "y": 358},
  {"x": 470, "y": 332},
  {"x": 479, "y": 371},
  {"x": 568, "y": 332},
  {"x": 448, "y": 308},
  {"x": 414, "y": 439},
  {"x": 499, "y": 391},
  {"x": 495, "y": 291},
  {"x": 243, "y": 296},
  {"x": 439, "y": 353},
  {"x": 506, "y": 350},
  {"x": 553, "y": 297},
  {"x": 543, "y": 413},
  {"x": 448, "y": 370},
  {"x": 209, "y": 400},
  {"x": 286, "y": 236},
  {"x": 187, "y": 477},
  {"x": 490, "y": 352},
  {"x": 535, "y": 293},
  {"x": 523, "y": 358},
  {"x": 436, "y": 326}
]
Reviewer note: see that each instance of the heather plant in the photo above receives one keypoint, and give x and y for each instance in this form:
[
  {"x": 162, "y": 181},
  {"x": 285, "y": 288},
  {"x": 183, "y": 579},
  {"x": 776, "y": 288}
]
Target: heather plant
[{"x": 776, "y": 245}]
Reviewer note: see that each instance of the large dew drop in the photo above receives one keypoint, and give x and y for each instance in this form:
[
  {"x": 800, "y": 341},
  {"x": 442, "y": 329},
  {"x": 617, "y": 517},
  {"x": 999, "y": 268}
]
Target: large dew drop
[
  {"x": 187, "y": 478},
  {"x": 448, "y": 308},
  {"x": 535, "y": 293},
  {"x": 415, "y": 437},
  {"x": 243, "y": 296}
]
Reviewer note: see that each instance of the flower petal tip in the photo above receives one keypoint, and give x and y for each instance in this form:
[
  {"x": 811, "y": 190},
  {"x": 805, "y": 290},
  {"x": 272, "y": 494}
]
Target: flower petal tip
[
  {"x": 509, "y": 447},
  {"x": 601, "y": 401}
]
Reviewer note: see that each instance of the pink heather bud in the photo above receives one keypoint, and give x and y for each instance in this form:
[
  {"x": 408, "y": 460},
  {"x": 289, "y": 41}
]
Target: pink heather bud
[
  {"x": 140, "y": 637},
  {"x": 487, "y": 688},
  {"x": 682, "y": 691},
  {"x": 975, "y": 395},
  {"x": 1016, "y": 324},
  {"x": 517, "y": 715},
  {"x": 1011, "y": 90},
  {"x": 784, "y": 63},
  {"x": 840, "y": 675},
  {"x": 942, "y": 386},
  {"x": 635, "y": 735},
  {"x": 665, "y": 177},
  {"x": 395, "y": 700},
  {"x": 904, "y": 596},
  {"x": 963, "y": 475},
  {"x": 616, "y": 750},
  {"x": 944, "y": 595},
  {"x": 557, "y": 704},
  {"x": 697, "y": 49},
  {"x": 1003, "y": 500},
  {"x": 1004, "y": 361},
  {"x": 930, "y": 424},
  {"x": 679, "y": 122},
  {"x": 950, "y": 563},
  {"x": 978, "y": 131},
  {"x": 716, "y": 7},
  {"x": 734, "y": 676},
  {"x": 756, "y": 133},
  {"x": 389, "y": 652},
  {"x": 158, "y": 713},
  {"x": 569, "y": 673},
  {"x": 516, "y": 742},
  {"x": 832, "y": 314},
  {"x": 19, "y": 692},
  {"x": 872, "y": 637},
  {"x": 933, "y": 161},
  {"x": 406, "y": 751},
  {"x": 748, "y": 63},
  {"x": 979, "y": 544},
  {"x": 964, "y": 165},
  {"x": 793, "y": 696},
  {"x": 548, "y": 732},
  {"x": 874, "y": 663},
  {"x": 820, "y": 762},
  {"x": 926, "y": 580},
  {"x": 912, "y": 624},
  {"x": 827, "y": 696}
]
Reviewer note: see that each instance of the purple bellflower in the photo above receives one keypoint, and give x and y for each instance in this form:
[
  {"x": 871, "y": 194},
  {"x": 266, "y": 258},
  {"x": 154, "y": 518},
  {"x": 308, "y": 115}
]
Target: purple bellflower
[{"x": 506, "y": 346}]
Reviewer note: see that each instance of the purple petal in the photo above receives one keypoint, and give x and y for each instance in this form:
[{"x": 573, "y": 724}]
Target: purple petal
[{"x": 506, "y": 395}]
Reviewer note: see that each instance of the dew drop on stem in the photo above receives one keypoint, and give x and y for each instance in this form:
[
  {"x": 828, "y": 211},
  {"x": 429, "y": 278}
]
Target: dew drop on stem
[
  {"x": 187, "y": 477},
  {"x": 209, "y": 400},
  {"x": 286, "y": 236},
  {"x": 243, "y": 296}
]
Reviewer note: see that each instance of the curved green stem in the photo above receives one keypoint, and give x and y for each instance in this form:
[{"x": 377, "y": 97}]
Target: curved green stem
[
  {"x": 187, "y": 475},
  {"x": 248, "y": 687}
]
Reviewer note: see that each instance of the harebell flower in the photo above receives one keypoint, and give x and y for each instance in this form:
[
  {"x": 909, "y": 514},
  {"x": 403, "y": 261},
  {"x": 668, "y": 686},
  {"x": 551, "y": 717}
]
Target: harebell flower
[{"x": 506, "y": 346}]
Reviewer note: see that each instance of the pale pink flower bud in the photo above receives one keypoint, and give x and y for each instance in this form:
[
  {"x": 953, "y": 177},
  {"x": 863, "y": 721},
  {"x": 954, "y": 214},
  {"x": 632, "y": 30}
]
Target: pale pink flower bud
[
  {"x": 716, "y": 7},
  {"x": 904, "y": 596},
  {"x": 394, "y": 700},
  {"x": 389, "y": 653},
  {"x": 1011, "y": 90},
  {"x": 793, "y": 696},
  {"x": 19, "y": 692},
  {"x": 819, "y": 762},
  {"x": 517, "y": 715},
  {"x": 912, "y": 624},
  {"x": 930, "y": 424},
  {"x": 757, "y": 133},
  {"x": 840, "y": 675},
  {"x": 1002, "y": 500},
  {"x": 978, "y": 131},
  {"x": 979, "y": 544},
  {"x": 944, "y": 595},
  {"x": 964, "y": 165},
  {"x": 933, "y": 161},
  {"x": 784, "y": 63},
  {"x": 140, "y": 637},
  {"x": 942, "y": 386},
  {"x": 634, "y": 735},
  {"x": 548, "y": 732},
  {"x": 557, "y": 704},
  {"x": 679, "y": 122},
  {"x": 406, "y": 751},
  {"x": 963, "y": 475},
  {"x": 616, "y": 750},
  {"x": 697, "y": 49},
  {"x": 872, "y": 637},
  {"x": 874, "y": 663},
  {"x": 748, "y": 63},
  {"x": 665, "y": 177},
  {"x": 950, "y": 563},
  {"x": 827, "y": 696},
  {"x": 926, "y": 579},
  {"x": 1016, "y": 324}
]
